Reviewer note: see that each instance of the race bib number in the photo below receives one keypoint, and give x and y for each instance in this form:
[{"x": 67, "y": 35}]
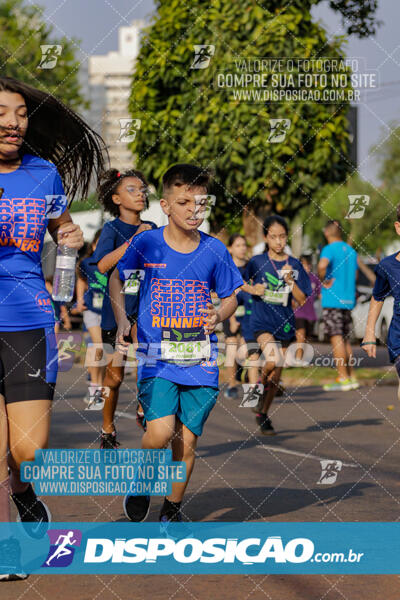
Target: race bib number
[
  {"x": 185, "y": 346},
  {"x": 280, "y": 296},
  {"x": 98, "y": 300},
  {"x": 240, "y": 311}
]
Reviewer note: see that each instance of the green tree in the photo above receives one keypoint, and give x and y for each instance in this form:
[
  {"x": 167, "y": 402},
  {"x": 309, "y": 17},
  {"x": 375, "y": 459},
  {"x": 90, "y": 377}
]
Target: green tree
[
  {"x": 368, "y": 234},
  {"x": 22, "y": 32},
  {"x": 185, "y": 118},
  {"x": 388, "y": 155},
  {"x": 358, "y": 16}
]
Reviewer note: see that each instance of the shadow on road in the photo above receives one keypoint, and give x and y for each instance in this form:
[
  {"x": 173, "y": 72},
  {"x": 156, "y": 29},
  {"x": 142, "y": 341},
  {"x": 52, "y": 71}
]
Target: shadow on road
[{"x": 243, "y": 504}]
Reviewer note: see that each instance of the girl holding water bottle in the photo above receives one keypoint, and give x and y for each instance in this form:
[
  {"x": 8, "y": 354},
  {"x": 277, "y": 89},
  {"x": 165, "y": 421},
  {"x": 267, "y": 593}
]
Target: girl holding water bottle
[{"x": 46, "y": 153}]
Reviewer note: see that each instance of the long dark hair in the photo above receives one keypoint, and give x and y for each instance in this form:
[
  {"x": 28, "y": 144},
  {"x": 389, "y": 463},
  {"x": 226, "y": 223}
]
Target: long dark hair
[
  {"x": 109, "y": 183},
  {"x": 272, "y": 220},
  {"x": 57, "y": 134}
]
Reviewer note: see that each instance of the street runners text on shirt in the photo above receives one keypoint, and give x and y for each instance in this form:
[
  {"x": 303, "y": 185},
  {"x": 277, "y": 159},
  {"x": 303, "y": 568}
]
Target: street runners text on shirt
[{"x": 178, "y": 302}]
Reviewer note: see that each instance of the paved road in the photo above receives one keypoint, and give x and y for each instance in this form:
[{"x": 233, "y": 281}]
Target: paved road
[
  {"x": 241, "y": 476},
  {"x": 381, "y": 360}
]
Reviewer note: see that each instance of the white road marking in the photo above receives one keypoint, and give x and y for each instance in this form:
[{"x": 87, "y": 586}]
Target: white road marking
[
  {"x": 312, "y": 456},
  {"x": 271, "y": 448}
]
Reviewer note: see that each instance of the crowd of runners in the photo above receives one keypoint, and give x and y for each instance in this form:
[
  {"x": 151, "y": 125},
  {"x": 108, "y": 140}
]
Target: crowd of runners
[{"x": 173, "y": 293}]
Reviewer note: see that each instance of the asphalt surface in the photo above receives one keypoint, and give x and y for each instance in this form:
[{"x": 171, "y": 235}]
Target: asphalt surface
[
  {"x": 240, "y": 475},
  {"x": 381, "y": 360}
]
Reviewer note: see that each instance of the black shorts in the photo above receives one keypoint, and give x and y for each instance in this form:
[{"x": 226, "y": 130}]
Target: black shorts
[
  {"x": 28, "y": 364},
  {"x": 305, "y": 324},
  {"x": 108, "y": 336},
  {"x": 337, "y": 321}
]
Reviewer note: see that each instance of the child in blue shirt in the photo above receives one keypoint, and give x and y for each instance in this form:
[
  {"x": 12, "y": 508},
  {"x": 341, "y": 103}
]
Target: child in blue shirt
[
  {"x": 178, "y": 373},
  {"x": 124, "y": 195},
  {"x": 387, "y": 283},
  {"x": 275, "y": 279}
]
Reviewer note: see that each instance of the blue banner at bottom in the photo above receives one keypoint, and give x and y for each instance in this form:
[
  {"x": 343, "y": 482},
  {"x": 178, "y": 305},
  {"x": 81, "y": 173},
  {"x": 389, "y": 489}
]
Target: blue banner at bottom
[{"x": 196, "y": 548}]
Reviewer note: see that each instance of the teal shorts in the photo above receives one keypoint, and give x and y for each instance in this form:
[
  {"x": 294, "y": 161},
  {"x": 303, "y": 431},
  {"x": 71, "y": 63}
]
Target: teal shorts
[{"x": 191, "y": 404}]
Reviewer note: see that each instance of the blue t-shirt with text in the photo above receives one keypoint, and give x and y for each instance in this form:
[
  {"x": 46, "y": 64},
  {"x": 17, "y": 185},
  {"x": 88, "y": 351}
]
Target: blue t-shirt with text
[
  {"x": 342, "y": 268},
  {"x": 113, "y": 235},
  {"x": 276, "y": 319},
  {"x": 174, "y": 288},
  {"x": 387, "y": 283},
  {"x": 32, "y": 194}
]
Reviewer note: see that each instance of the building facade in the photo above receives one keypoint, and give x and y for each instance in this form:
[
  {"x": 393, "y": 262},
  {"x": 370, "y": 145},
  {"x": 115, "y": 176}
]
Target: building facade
[{"x": 109, "y": 78}]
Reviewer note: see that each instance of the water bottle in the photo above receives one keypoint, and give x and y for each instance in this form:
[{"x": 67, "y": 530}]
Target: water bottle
[{"x": 64, "y": 274}]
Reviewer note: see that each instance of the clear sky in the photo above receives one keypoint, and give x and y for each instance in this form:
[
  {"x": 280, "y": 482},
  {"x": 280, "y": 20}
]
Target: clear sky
[{"x": 95, "y": 23}]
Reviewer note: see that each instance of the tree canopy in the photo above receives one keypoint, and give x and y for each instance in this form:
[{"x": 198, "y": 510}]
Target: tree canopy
[
  {"x": 23, "y": 31},
  {"x": 185, "y": 117}
]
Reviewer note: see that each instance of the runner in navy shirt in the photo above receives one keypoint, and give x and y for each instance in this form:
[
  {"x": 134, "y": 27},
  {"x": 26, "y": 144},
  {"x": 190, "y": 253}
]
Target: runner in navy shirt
[
  {"x": 387, "y": 283},
  {"x": 124, "y": 195},
  {"x": 232, "y": 327},
  {"x": 275, "y": 278}
]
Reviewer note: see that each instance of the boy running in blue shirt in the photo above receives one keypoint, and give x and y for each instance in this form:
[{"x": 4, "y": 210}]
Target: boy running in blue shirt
[
  {"x": 387, "y": 283},
  {"x": 178, "y": 374}
]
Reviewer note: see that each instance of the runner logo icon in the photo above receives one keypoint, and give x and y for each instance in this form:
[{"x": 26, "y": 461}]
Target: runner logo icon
[
  {"x": 330, "y": 470},
  {"x": 252, "y": 394},
  {"x": 128, "y": 129},
  {"x": 278, "y": 130},
  {"x": 50, "y": 55},
  {"x": 202, "y": 56},
  {"x": 357, "y": 205},
  {"x": 62, "y": 547}
]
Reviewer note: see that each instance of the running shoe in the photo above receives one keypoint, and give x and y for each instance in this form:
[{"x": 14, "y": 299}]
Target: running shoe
[
  {"x": 136, "y": 508},
  {"x": 340, "y": 385},
  {"x": 354, "y": 383},
  {"x": 108, "y": 441},
  {"x": 10, "y": 560},
  {"x": 172, "y": 524},
  {"x": 33, "y": 513},
  {"x": 265, "y": 424},
  {"x": 232, "y": 393}
]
